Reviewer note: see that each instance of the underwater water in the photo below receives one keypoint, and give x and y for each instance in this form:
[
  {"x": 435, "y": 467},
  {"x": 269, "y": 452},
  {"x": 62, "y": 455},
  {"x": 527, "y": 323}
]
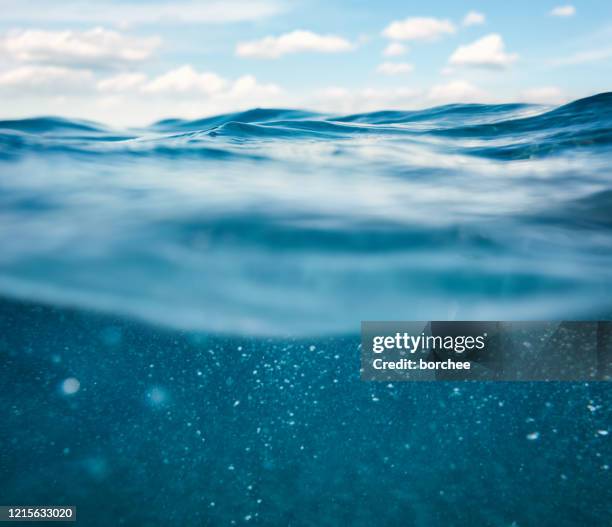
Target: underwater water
[{"x": 181, "y": 305}]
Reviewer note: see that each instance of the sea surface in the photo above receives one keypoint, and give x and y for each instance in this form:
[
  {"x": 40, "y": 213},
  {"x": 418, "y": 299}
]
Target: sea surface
[{"x": 180, "y": 307}]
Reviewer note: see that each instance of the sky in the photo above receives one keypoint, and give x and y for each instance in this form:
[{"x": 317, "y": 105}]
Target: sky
[{"x": 132, "y": 62}]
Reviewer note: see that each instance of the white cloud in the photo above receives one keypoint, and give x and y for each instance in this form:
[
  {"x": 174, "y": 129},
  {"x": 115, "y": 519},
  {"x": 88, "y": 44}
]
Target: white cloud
[
  {"x": 342, "y": 100},
  {"x": 564, "y": 11},
  {"x": 133, "y": 98},
  {"x": 122, "y": 82},
  {"x": 247, "y": 88},
  {"x": 543, "y": 95},
  {"x": 474, "y": 18},
  {"x": 185, "y": 79},
  {"x": 420, "y": 28},
  {"x": 45, "y": 79},
  {"x": 489, "y": 51},
  {"x": 455, "y": 91},
  {"x": 130, "y": 12},
  {"x": 294, "y": 42},
  {"x": 94, "y": 47},
  {"x": 394, "y": 68},
  {"x": 132, "y": 108},
  {"x": 395, "y": 49},
  {"x": 585, "y": 57}
]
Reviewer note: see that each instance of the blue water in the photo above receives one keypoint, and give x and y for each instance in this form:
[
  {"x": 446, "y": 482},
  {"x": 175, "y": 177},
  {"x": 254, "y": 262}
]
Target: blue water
[
  {"x": 281, "y": 221},
  {"x": 179, "y": 309}
]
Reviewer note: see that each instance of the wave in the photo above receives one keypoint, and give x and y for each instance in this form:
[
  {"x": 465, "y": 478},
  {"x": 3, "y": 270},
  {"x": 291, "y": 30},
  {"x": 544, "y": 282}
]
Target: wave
[
  {"x": 41, "y": 125},
  {"x": 277, "y": 220},
  {"x": 257, "y": 115}
]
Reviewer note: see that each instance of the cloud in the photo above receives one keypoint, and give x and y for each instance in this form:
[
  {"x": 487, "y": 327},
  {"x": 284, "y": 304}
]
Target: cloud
[
  {"x": 45, "y": 80},
  {"x": 122, "y": 82},
  {"x": 94, "y": 47},
  {"x": 136, "y": 106},
  {"x": 394, "y": 68},
  {"x": 585, "y": 57},
  {"x": 341, "y": 100},
  {"x": 420, "y": 28},
  {"x": 455, "y": 91},
  {"x": 247, "y": 88},
  {"x": 474, "y": 18},
  {"x": 294, "y": 42},
  {"x": 130, "y": 12},
  {"x": 488, "y": 52},
  {"x": 185, "y": 79},
  {"x": 563, "y": 11},
  {"x": 395, "y": 49},
  {"x": 183, "y": 82},
  {"x": 543, "y": 95},
  {"x": 133, "y": 98}
]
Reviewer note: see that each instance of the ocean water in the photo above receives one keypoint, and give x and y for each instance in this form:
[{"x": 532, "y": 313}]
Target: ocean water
[{"x": 180, "y": 308}]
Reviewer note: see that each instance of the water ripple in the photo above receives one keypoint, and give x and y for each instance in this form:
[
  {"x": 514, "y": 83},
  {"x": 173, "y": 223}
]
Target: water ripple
[{"x": 275, "y": 221}]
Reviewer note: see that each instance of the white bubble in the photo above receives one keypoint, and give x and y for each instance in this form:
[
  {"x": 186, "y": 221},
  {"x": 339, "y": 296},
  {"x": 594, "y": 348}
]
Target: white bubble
[
  {"x": 157, "y": 395},
  {"x": 71, "y": 385},
  {"x": 533, "y": 436}
]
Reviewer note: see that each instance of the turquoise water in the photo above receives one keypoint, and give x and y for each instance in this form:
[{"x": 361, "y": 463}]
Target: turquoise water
[
  {"x": 271, "y": 222},
  {"x": 181, "y": 305},
  {"x": 183, "y": 428}
]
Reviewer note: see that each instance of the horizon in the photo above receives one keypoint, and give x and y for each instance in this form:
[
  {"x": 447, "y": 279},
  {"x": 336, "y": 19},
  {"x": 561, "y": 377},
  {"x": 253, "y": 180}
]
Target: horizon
[{"x": 548, "y": 107}]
